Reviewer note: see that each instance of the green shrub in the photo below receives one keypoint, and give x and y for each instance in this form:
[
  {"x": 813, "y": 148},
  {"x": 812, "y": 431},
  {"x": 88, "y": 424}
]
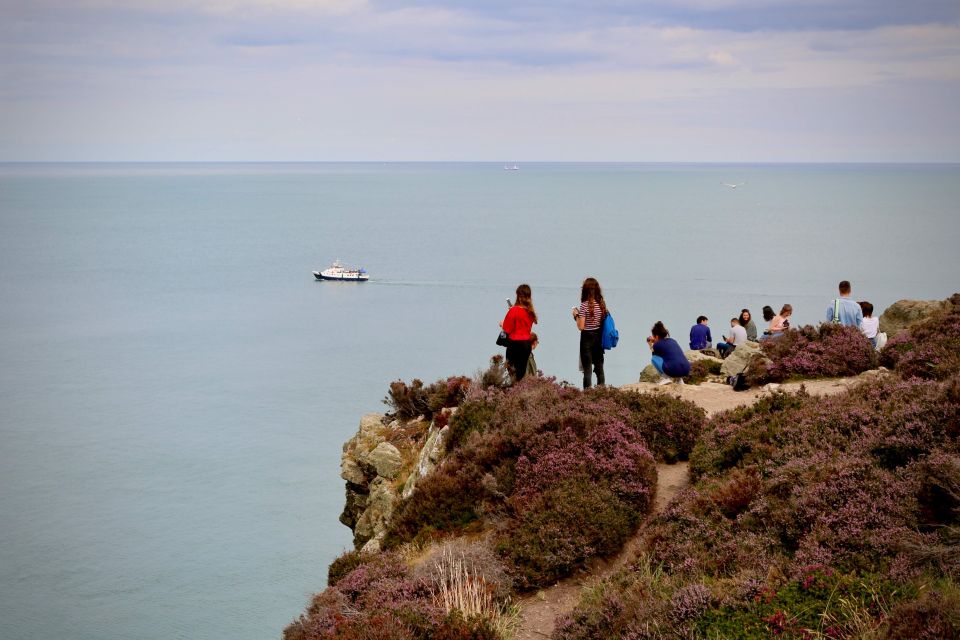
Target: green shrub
[
  {"x": 343, "y": 565},
  {"x": 558, "y": 530}
]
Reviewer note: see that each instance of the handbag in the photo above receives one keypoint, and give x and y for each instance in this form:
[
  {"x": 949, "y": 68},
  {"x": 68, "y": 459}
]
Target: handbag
[{"x": 503, "y": 340}]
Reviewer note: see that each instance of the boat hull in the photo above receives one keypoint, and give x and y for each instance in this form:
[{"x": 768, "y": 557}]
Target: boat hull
[{"x": 319, "y": 275}]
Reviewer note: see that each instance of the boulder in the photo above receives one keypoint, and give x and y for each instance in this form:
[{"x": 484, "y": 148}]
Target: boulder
[
  {"x": 738, "y": 359},
  {"x": 351, "y": 471},
  {"x": 386, "y": 459},
  {"x": 694, "y": 356},
  {"x": 904, "y": 313},
  {"x": 649, "y": 374}
]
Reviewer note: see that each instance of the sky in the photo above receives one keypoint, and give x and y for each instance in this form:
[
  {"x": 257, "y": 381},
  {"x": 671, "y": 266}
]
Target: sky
[{"x": 457, "y": 80}]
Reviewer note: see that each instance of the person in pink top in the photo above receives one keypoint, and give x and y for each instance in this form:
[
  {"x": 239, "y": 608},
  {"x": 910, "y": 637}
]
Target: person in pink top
[
  {"x": 780, "y": 322},
  {"x": 518, "y": 324}
]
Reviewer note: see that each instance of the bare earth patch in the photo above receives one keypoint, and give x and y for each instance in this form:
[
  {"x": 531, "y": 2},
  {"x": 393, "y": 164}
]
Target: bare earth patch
[{"x": 538, "y": 612}]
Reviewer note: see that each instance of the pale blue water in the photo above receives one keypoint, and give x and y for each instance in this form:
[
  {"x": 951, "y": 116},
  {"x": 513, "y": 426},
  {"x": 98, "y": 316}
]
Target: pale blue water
[{"x": 175, "y": 387}]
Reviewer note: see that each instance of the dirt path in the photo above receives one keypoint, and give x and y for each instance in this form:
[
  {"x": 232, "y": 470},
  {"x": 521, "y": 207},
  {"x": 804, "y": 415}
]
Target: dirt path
[{"x": 538, "y": 612}]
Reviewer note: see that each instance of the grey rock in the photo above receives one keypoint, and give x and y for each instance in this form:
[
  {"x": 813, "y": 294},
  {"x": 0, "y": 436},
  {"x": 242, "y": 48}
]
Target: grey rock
[
  {"x": 649, "y": 374},
  {"x": 351, "y": 471},
  {"x": 430, "y": 455},
  {"x": 739, "y": 358},
  {"x": 376, "y": 516},
  {"x": 694, "y": 356},
  {"x": 386, "y": 459},
  {"x": 902, "y": 314}
]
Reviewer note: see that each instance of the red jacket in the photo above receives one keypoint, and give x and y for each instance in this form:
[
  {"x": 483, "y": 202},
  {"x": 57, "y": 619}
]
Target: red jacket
[{"x": 517, "y": 323}]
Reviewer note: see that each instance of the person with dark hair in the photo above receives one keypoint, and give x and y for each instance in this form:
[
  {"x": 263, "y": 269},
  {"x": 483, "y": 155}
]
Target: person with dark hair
[
  {"x": 778, "y": 323},
  {"x": 668, "y": 357},
  {"x": 517, "y": 324},
  {"x": 870, "y": 326},
  {"x": 845, "y": 310},
  {"x": 738, "y": 335},
  {"x": 700, "y": 337},
  {"x": 768, "y": 313},
  {"x": 589, "y": 318},
  {"x": 746, "y": 321}
]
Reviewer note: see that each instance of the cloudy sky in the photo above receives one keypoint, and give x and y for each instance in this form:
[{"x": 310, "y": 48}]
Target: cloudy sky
[{"x": 616, "y": 80}]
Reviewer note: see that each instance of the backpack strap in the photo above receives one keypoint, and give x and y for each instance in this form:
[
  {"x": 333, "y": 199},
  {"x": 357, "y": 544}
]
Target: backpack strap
[{"x": 836, "y": 310}]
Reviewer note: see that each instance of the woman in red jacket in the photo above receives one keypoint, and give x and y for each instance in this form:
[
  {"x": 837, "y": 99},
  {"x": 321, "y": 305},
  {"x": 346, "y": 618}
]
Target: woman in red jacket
[{"x": 518, "y": 323}]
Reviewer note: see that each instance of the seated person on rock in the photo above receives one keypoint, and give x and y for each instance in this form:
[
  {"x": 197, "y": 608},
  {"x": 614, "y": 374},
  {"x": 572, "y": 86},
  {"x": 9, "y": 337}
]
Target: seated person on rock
[
  {"x": 700, "y": 337},
  {"x": 668, "y": 358},
  {"x": 870, "y": 326},
  {"x": 738, "y": 336}
]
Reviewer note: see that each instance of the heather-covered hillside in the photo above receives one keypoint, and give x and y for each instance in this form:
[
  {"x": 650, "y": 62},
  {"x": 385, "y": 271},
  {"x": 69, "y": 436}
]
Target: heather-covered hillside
[{"x": 807, "y": 517}]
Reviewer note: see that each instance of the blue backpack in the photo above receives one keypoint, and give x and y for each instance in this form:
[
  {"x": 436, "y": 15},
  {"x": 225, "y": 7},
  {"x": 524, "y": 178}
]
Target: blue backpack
[{"x": 609, "y": 336}]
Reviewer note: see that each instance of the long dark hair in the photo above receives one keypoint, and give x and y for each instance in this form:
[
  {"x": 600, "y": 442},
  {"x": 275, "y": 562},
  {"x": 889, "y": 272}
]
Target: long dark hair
[
  {"x": 659, "y": 330},
  {"x": 525, "y": 300},
  {"x": 590, "y": 291},
  {"x": 768, "y": 313},
  {"x": 747, "y": 321}
]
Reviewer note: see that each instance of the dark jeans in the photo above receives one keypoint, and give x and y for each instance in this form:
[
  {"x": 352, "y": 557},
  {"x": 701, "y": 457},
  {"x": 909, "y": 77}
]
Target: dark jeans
[
  {"x": 591, "y": 355},
  {"x": 518, "y": 352},
  {"x": 725, "y": 348}
]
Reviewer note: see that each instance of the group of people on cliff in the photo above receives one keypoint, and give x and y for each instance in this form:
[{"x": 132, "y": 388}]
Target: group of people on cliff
[{"x": 593, "y": 320}]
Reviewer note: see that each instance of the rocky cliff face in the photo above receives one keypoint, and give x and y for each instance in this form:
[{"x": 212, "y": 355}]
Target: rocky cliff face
[{"x": 381, "y": 465}]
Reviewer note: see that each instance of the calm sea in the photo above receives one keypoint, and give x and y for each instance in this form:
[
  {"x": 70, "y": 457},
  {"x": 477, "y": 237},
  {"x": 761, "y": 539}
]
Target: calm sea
[{"x": 175, "y": 386}]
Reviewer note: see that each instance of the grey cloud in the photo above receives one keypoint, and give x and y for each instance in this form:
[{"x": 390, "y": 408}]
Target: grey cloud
[{"x": 734, "y": 15}]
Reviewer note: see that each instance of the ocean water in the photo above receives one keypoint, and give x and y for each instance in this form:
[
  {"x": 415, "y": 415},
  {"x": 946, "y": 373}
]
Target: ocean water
[{"x": 175, "y": 387}]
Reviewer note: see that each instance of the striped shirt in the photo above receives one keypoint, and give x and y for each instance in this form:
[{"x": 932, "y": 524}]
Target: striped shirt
[{"x": 591, "y": 322}]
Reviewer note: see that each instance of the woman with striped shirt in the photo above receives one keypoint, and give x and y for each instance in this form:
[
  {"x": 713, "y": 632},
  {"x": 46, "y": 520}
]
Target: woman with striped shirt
[
  {"x": 589, "y": 318},
  {"x": 517, "y": 324}
]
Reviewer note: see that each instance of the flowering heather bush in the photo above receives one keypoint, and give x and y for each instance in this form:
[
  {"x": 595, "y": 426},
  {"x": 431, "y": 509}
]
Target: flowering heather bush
[
  {"x": 669, "y": 426},
  {"x": 689, "y": 602},
  {"x": 381, "y": 599},
  {"x": 825, "y": 351},
  {"x": 556, "y": 531},
  {"x": 539, "y": 456},
  {"x": 930, "y": 349},
  {"x": 893, "y": 422}
]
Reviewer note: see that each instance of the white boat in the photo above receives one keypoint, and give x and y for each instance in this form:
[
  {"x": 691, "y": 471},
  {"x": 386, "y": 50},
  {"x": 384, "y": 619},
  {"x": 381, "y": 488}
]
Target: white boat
[{"x": 337, "y": 271}]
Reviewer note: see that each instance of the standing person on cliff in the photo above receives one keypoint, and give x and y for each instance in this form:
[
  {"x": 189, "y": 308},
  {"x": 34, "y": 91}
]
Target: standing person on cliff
[
  {"x": 518, "y": 324},
  {"x": 844, "y": 310},
  {"x": 589, "y": 318}
]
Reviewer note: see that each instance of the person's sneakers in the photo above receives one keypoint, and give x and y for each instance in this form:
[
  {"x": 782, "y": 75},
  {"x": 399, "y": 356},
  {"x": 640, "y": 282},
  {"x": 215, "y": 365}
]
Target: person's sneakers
[{"x": 664, "y": 380}]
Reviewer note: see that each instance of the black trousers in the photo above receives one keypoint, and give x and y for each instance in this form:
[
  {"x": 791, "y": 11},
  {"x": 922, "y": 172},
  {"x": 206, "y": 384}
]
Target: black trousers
[
  {"x": 591, "y": 356},
  {"x": 518, "y": 352}
]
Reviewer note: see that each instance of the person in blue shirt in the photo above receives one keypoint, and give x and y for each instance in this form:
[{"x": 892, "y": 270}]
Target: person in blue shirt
[
  {"x": 668, "y": 357},
  {"x": 700, "y": 337},
  {"x": 844, "y": 310}
]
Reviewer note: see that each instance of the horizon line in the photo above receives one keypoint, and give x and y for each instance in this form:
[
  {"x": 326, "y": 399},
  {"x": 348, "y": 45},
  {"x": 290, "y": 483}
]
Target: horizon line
[{"x": 510, "y": 162}]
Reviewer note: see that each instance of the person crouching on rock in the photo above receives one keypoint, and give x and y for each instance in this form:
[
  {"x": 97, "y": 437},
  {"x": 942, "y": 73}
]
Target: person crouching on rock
[
  {"x": 668, "y": 357},
  {"x": 517, "y": 324}
]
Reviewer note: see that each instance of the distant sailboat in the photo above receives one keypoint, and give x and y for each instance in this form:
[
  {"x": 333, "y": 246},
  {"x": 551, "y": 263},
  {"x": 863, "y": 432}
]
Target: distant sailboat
[
  {"x": 733, "y": 186},
  {"x": 507, "y": 167}
]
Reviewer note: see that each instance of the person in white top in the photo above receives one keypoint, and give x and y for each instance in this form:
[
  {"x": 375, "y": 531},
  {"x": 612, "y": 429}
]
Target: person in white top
[
  {"x": 870, "y": 326},
  {"x": 738, "y": 335}
]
